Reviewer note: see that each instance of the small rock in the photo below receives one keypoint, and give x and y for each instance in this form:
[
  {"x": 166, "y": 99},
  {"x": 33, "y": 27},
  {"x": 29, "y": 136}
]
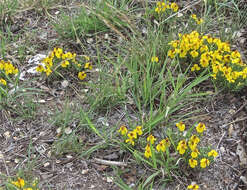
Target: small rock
[
  {"x": 68, "y": 130},
  {"x": 46, "y": 164},
  {"x": 109, "y": 179},
  {"x": 83, "y": 172},
  {"x": 222, "y": 149},
  {"x": 65, "y": 84},
  {"x": 243, "y": 179},
  {"x": 59, "y": 130},
  {"x": 7, "y": 134},
  {"x": 90, "y": 40},
  {"x": 180, "y": 15}
]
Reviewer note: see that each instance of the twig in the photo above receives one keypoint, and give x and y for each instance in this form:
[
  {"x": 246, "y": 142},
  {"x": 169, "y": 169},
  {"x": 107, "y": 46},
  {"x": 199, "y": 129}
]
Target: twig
[
  {"x": 244, "y": 104},
  {"x": 108, "y": 162},
  {"x": 221, "y": 139},
  {"x": 235, "y": 121}
]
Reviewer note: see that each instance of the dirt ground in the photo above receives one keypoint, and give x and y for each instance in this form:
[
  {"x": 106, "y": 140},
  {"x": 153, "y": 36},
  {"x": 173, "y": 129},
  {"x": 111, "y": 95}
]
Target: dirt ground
[{"x": 28, "y": 143}]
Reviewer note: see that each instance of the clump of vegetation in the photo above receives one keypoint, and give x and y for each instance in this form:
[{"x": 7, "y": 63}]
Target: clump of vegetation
[
  {"x": 21, "y": 184},
  {"x": 7, "y": 73},
  {"x": 206, "y": 52},
  {"x": 57, "y": 60}
]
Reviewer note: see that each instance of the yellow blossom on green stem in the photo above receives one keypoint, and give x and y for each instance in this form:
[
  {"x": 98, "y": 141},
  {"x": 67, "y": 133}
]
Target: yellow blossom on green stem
[
  {"x": 182, "y": 146},
  {"x": 213, "y": 153},
  {"x": 20, "y": 183},
  {"x": 204, "y": 162},
  {"x": 195, "y": 139},
  {"x": 195, "y": 153},
  {"x": 200, "y": 127},
  {"x": 151, "y": 139},
  {"x": 174, "y": 7},
  {"x": 88, "y": 65},
  {"x": 148, "y": 152},
  {"x": 180, "y": 126},
  {"x": 130, "y": 141},
  {"x": 123, "y": 130},
  {"x": 163, "y": 144},
  {"x": 155, "y": 59},
  {"x": 138, "y": 130},
  {"x": 3, "y": 82},
  {"x": 82, "y": 75},
  {"x": 195, "y": 68},
  {"x": 65, "y": 63},
  {"x": 192, "y": 163},
  {"x": 132, "y": 135}
]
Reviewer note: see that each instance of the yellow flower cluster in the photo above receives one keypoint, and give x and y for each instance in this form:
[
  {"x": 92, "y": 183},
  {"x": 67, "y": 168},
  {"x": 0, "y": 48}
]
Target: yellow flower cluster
[
  {"x": 131, "y": 135},
  {"x": 211, "y": 53},
  {"x": 191, "y": 146},
  {"x": 58, "y": 58},
  {"x": 160, "y": 147},
  {"x": 198, "y": 21},
  {"x": 162, "y": 6},
  {"x": 6, "y": 68},
  {"x": 20, "y": 184}
]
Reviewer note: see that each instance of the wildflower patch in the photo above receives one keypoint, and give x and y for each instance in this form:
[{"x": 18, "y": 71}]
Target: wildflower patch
[
  {"x": 206, "y": 52},
  {"x": 58, "y": 60}
]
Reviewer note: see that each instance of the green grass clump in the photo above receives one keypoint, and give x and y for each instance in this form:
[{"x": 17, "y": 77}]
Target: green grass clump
[{"x": 79, "y": 25}]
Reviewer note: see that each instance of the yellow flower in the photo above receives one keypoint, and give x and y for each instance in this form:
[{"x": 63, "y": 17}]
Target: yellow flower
[
  {"x": 29, "y": 188},
  {"x": 204, "y": 62},
  {"x": 82, "y": 75},
  {"x": 235, "y": 54},
  {"x": 174, "y": 7},
  {"x": 195, "y": 139},
  {"x": 58, "y": 52},
  {"x": 171, "y": 53},
  {"x": 194, "y": 153},
  {"x": 123, "y": 130},
  {"x": 182, "y": 146},
  {"x": 69, "y": 55},
  {"x": 181, "y": 126},
  {"x": 199, "y": 21},
  {"x": 204, "y": 48},
  {"x": 20, "y": 183},
  {"x": 155, "y": 59},
  {"x": 192, "y": 145},
  {"x": 65, "y": 63},
  {"x": 213, "y": 153},
  {"x": 192, "y": 163},
  {"x": 151, "y": 139},
  {"x": 161, "y": 146},
  {"x": 194, "y": 54},
  {"x": 3, "y": 82},
  {"x": 48, "y": 71},
  {"x": 138, "y": 130},
  {"x": 194, "y": 16},
  {"x": 195, "y": 68},
  {"x": 132, "y": 135},
  {"x": 40, "y": 68},
  {"x": 204, "y": 162},
  {"x": 148, "y": 152},
  {"x": 88, "y": 65},
  {"x": 200, "y": 127},
  {"x": 193, "y": 187},
  {"x": 131, "y": 141}
]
